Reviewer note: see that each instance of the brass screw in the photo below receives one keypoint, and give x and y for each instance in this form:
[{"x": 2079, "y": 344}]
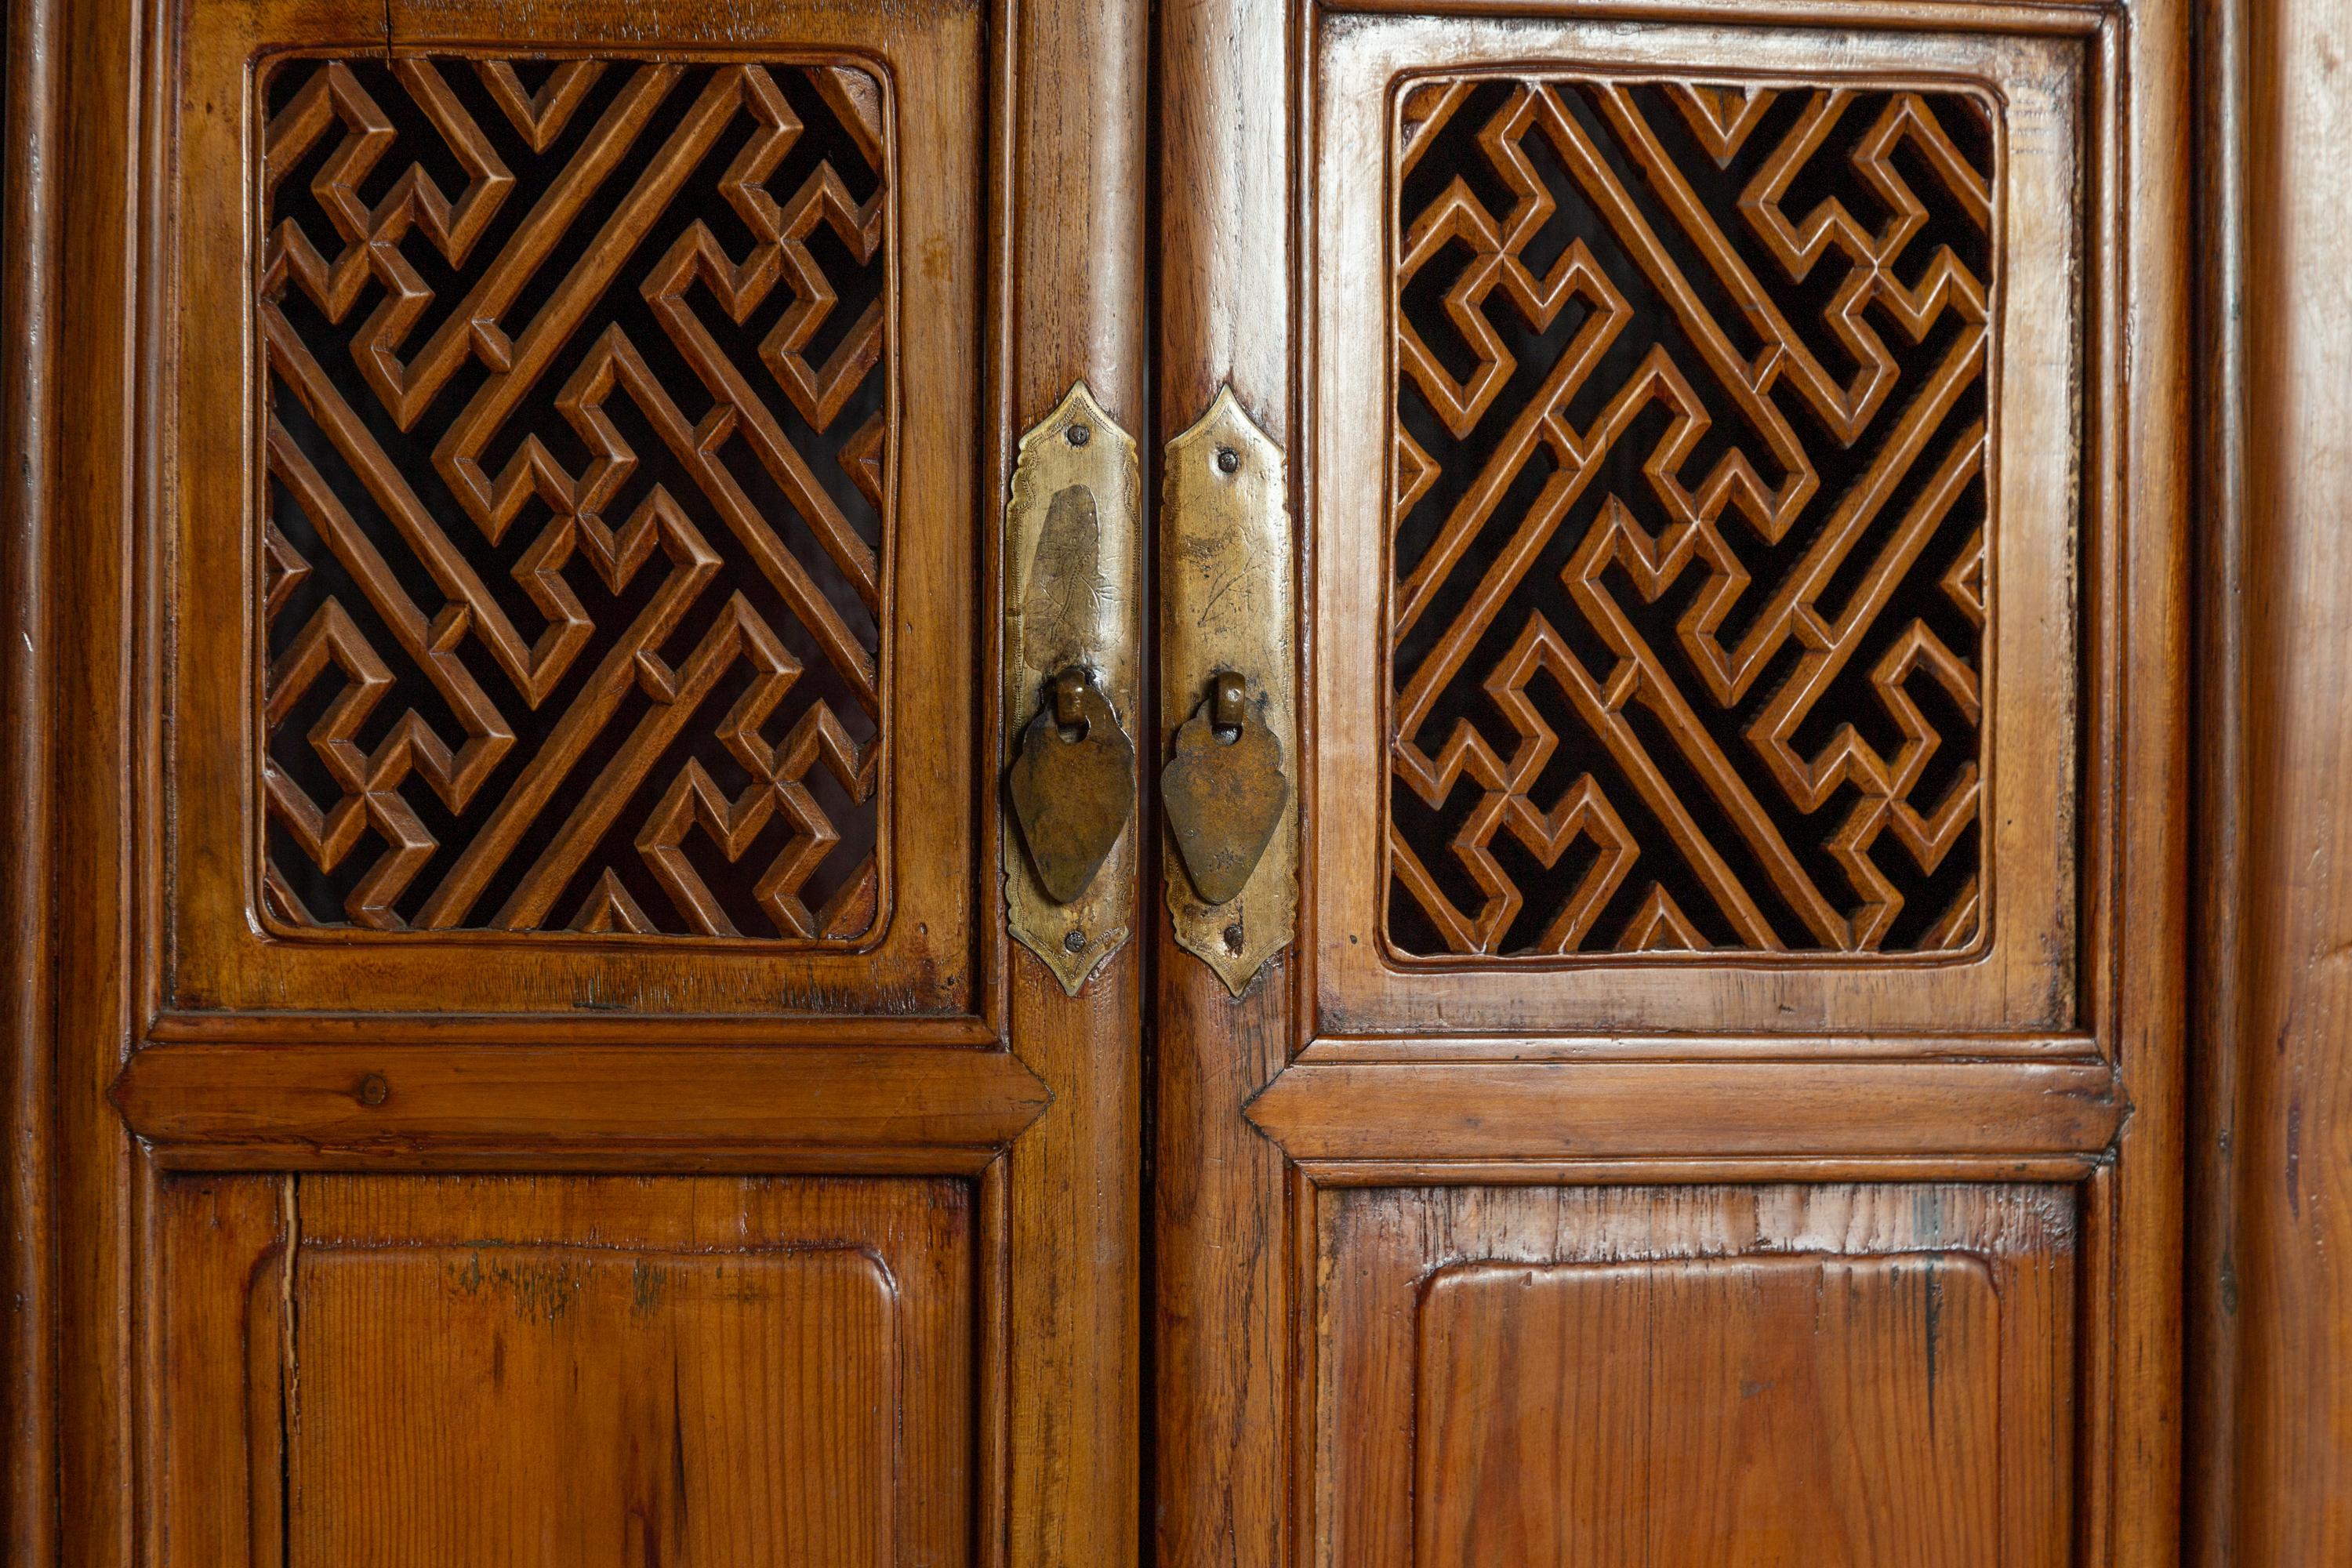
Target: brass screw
[
  {"x": 1077, "y": 435},
  {"x": 1228, "y": 460},
  {"x": 1075, "y": 942}
]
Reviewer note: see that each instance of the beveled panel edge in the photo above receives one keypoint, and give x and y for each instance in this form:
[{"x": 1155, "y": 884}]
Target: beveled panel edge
[
  {"x": 2064, "y": 17},
  {"x": 909, "y": 1108},
  {"x": 1798, "y": 1170},
  {"x": 594, "y": 1027},
  {"x": 1748, "y": 1046},
  {"x": 1553, "y": 1111}
]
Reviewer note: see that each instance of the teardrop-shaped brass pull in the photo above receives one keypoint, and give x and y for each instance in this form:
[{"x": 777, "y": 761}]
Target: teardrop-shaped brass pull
[
  {"x": 1073, "y": 785},
  {"x": 1224, "y": 789}
]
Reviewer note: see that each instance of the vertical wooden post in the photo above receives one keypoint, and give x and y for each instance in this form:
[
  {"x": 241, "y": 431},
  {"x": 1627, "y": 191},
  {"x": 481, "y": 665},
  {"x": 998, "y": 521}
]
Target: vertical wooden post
[
  {"x": 2276, "y": 1337},
  {"x": 1221, "y": 1349},
  {"x": 1072, "y": 308},
  {"x": 28, "y": 1502}
]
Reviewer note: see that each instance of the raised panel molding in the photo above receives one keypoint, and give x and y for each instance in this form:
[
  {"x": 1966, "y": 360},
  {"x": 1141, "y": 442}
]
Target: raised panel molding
[
  {"x": 1843, "y": 1412},
  {"x": 603, "y": 1407},
  {"x": 609, "y": 1371},
  {"x": 1870, "y": 1375}
]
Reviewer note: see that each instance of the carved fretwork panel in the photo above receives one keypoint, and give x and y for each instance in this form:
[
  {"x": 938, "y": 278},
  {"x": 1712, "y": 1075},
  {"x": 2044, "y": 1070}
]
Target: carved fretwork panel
[
  {"x": 576, "y": 477},
  {"x": 1688, "y": 509}
]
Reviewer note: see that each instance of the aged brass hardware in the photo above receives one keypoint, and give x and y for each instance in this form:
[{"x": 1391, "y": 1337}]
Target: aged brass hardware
[
  {"x": 1224, "y": 790},
  {"x": 1228, "y": 708},
  {"x": 1071, "y": 670},
  {"x": 1073, "y": 785}
]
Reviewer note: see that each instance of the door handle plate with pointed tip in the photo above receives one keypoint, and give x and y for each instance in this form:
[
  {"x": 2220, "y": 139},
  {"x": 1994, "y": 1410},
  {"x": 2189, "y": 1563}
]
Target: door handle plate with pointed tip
[
  {"x": 1073, "y": 676},
  {"x": 1229, "y": 640}
]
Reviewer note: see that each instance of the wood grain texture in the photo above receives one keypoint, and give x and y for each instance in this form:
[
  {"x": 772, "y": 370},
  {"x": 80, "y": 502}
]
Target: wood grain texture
[
  {"x": 1685, "y": 1066},
  {"x": 741, "y": 1409},
  {"x": 1560, "y": 511},
  {"x": 2218, "y": 1055},
  {"x": 1848, "y": 1410},
  {"x": 218, "y": 1357},
  {"x": 611, "y": 1371},
  {"x": 415, "y": 1099},
  {"x": 1865, "y": 1375},
  {"x": 2287, "y": 1276},
  {"x": 29, "y": 1193},
  {"x": 155, "y": 107},
  {"x": 1069, "y": 308},
  {"x": 1551, "y": 1111},
  {"x": 103, "y": 55},
  {"x": 2138, "y": 917},
  {"x": 1227, "y": 220}
]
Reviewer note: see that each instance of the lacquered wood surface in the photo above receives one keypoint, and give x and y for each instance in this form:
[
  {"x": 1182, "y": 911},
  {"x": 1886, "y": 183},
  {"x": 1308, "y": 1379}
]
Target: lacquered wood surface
[
  {"x": 1807, "y": 1169},
  {"x": 28, "y": 318},
  {"x": 1855, "y": 1374},
  {"x": 1820, "y": 1388},
  {"x": 2274, "y": 1287},
  {"x": 918, "y": 1058},
  {"x": 422, "y": 1370},
  {"x": 1228, "y": 218},
  {"x": 1540, "y": 1091}
]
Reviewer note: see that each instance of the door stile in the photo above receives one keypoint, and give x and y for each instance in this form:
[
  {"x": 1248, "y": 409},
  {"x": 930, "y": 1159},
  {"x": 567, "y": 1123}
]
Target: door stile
[
  {"x": 103, "y": 57},
  {"x": 1073, "y": 312},
  {"x": 1221, "y": 1372},
  {"x": 2272, "y": 1295},
  {"x": 2131, "y": 1444}
]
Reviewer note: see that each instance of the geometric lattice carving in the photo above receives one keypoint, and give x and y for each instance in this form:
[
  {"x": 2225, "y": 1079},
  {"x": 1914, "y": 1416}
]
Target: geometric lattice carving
[
  {"x": 1689, "y": 510},
  {"x": 577, "y": 407}
]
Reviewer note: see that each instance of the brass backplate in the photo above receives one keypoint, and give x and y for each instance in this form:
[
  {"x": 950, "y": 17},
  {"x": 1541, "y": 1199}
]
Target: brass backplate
[
  {"x": 1071, "y": 591},
  {"x": 1227, "y": 605}
]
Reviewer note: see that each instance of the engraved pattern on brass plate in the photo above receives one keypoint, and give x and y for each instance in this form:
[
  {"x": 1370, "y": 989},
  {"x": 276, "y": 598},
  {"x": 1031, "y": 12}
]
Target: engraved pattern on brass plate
[
  {"x": 1227, "y": 608},
  {"x": 1070, "y": 594}
]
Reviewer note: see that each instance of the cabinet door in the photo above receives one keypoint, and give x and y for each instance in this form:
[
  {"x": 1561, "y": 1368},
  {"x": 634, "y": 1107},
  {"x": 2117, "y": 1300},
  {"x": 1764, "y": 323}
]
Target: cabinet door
[
  {"x": 546, "y": 1070},
  {"x": 1718, "y": 1103}
]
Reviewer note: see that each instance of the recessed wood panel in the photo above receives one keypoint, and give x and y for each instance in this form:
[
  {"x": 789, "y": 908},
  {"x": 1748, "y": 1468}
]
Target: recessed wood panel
[
  {"x": 1855, "y": 1376},
  {"x": 592, "y": 1406},
  {"x": 1847, "y": 1409},
  {"x": 606, "y": 1372}
]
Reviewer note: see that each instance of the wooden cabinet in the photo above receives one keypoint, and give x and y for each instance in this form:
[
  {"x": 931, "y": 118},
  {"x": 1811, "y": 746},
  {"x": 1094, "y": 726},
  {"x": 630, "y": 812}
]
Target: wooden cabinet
[{"x": 1334, "y": 784}]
